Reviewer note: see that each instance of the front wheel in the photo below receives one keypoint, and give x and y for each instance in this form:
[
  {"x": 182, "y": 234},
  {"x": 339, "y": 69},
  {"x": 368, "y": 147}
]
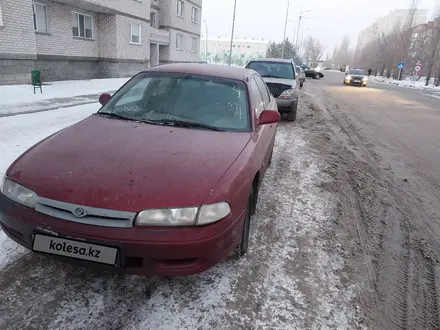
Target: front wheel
[
  {"x": 291, "y": 116},
  {"x": 317, "y": 76},
  {"x": 244, "y": 242}
]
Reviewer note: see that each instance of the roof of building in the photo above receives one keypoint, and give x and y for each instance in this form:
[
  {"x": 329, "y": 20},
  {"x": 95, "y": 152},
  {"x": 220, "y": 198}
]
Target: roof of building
[{"x": 215, "y": 70}]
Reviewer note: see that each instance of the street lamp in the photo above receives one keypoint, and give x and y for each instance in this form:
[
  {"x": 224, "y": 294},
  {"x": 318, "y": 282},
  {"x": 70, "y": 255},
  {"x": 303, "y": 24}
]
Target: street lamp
[
  {"x": 285, "y": 29},
  {"x": 206, "y": 42},
  {"x": 232, "y": 33},
  {"x": 299, "y": 23}
]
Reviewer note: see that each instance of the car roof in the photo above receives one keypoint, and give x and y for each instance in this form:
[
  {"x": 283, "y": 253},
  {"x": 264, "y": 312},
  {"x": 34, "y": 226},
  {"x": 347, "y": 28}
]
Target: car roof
[
  {"x": 271, "y": 59},
  {"x": 214, "y": 70}
]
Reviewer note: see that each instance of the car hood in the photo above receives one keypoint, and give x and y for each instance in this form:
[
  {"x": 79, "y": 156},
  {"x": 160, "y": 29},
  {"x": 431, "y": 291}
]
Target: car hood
[
  {"x": 291, "y": 82},
  {"x": 356, "y": 76},
  {"x": 130, "y": 166}
]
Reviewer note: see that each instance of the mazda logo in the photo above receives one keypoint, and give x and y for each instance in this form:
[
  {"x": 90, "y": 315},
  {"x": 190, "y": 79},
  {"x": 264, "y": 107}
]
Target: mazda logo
[{"x": 79, "y": 212}]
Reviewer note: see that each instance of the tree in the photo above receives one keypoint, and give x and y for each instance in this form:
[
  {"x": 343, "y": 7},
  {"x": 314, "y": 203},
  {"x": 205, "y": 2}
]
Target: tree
[
  {"x": 313, "y": 50},
  {"x": 275, "y": 50},
  {"x": 434, "y": 44}
]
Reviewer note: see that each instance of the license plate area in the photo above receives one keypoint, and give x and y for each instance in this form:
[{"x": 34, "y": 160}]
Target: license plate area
[{"x": 75, "y": 249}]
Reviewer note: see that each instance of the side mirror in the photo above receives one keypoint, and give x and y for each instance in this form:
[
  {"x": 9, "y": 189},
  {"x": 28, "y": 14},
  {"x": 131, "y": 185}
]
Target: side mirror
[
  {"x": 103, "y": 99},
  {"x": 269, "y": 117}
]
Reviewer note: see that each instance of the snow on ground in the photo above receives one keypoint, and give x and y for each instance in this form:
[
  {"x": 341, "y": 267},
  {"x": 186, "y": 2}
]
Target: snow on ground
[
  {"x": 407, "y": 83},
  {"x": 289, "y": 279},
  {"x": 17, "y": 94}
]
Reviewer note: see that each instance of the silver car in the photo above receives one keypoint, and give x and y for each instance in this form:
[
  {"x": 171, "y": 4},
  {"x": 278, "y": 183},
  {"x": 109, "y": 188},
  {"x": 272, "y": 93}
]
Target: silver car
[
  {"x": 301, "y": 75},
  {"x": 282, "y": 79}
]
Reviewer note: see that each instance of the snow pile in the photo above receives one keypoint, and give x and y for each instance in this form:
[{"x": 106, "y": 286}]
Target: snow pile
[
  {"x": 407, "y": 83},
  {"x": 14, "y": 94}
]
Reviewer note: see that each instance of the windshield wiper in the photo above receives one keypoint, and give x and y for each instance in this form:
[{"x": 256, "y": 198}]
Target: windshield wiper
[
  {"x": 271, "y": 76},
  {"x": 189, "y": 124},
  {"x": 115, "y": 115}
]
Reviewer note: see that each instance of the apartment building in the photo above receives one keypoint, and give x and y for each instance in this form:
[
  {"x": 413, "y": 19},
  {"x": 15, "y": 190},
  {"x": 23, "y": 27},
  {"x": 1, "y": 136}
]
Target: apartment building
[
  {"x": 85, "y": 39},
  {"x": 244, "y": 49},
  {"x": 387, "y": 23}
]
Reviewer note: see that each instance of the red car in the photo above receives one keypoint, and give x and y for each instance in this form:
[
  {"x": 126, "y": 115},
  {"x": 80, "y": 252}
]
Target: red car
[{"x": 162, "y": 180}]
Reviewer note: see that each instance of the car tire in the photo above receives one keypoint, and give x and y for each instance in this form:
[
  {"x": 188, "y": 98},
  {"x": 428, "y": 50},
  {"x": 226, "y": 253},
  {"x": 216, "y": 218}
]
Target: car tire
[
  {"x": 291, "y": 116},
  {"x": 317, "y": 76},
  {"x": 244, "y": 241}
]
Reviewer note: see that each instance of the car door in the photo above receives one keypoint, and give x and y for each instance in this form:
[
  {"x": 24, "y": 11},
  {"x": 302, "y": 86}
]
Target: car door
[{"x": 266, "y": 133}]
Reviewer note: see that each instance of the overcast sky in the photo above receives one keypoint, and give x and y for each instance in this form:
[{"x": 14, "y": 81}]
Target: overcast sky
[{"x": 329, "y": 20}]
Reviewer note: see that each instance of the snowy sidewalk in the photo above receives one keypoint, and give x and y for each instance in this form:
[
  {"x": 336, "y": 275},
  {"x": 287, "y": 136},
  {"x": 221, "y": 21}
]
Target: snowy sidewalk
[
  {"x": 407, "y": 83},
  {"x": 20, "y": 99}
]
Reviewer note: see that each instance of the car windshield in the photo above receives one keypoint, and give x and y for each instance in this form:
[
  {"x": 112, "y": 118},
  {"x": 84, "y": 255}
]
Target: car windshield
[
  {"x": 169, "y": 98},
  {"x": 356, "y": 72},
  {"x": 283, "y": 70}
]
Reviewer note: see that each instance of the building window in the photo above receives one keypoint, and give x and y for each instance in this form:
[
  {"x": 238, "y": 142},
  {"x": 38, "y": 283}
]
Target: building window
[
  {"x": 179, "y": 41},
  {"x": 180, "y": 4},
  {"x": 194, "y": 15},
  {"x": 40, "y": 17},
  {"x": 135, "y": 33},
  {"x": 82, "y": 25},
  {"x": 194, "y": 44},
  {"x": 153, "y": 19}
]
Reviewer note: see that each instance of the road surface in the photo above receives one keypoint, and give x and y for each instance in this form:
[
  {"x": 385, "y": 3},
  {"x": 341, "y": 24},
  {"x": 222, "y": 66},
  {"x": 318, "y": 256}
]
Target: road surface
[{"x": 346, "y": 235}]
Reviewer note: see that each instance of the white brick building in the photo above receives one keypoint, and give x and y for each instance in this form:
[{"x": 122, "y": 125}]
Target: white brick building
[{"x": 83, "y": 39}]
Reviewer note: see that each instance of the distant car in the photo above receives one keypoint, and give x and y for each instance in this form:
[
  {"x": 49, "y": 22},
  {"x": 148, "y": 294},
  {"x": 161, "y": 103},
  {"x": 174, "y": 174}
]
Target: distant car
[
  {"x": 312, "y": 73},
  {"x": 282, "y": 79},
  {"x": 355, "y": 77},
  {"x": 301, "y": 75},
  {"x": 326, "y": 68},
  {"x": 162, "y": 180}
]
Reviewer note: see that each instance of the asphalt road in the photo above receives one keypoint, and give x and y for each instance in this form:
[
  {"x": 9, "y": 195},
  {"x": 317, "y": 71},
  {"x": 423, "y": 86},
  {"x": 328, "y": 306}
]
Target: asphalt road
[{"x": 389, "y": 178}]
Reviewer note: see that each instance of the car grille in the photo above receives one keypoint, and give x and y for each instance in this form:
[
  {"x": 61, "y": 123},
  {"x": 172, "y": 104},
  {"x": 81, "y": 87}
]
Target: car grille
[
  {"x": 93, "y": 216},
  {"x": 277, "y": 89}
]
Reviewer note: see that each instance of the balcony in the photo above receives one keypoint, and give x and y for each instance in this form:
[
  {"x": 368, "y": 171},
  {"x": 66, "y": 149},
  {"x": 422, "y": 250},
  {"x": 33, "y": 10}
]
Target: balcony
[{"x": 160, "y": 37}]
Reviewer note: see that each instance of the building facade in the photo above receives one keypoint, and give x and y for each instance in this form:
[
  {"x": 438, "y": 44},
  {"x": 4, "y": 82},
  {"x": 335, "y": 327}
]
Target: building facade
[
  {"x": 385, "y": 24},
  {"x": 85, "y": 39},
  {"x": 216, "y": 50}
]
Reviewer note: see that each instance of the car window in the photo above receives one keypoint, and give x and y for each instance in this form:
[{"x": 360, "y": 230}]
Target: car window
[
  {"x": 263, "y": 90},
  {"x": 257, "y": 98},
  {"x": 283, "y": 70},
  {"x": 359, "y": 72},
  {"x": 212, "y": 101}
]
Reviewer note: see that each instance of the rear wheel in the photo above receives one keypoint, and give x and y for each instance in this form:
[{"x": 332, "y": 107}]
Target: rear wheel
[{"x": 291, "y": 116}]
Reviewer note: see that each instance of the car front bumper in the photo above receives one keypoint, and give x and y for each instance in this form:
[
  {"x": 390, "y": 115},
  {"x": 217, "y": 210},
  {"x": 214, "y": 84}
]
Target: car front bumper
[
  {"x": 148, "y": 251},
  {"x": 357, "y": 83},
  {"x": 286, "y": 105}
]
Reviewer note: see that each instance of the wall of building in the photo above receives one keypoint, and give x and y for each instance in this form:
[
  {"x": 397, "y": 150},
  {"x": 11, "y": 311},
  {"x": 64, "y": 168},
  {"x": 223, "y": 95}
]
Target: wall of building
[
  {"x": 17, "y": 42},
  {"x": 60, "y": 40},
  {"x": 107, "y": 32},
  {"x": 127, "y": 50},
  {"x": 171, "y": 54}
]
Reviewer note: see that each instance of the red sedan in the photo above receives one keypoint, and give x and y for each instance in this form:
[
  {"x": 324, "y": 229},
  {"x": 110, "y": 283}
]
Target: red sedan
[{"x": 162, "y": 180}]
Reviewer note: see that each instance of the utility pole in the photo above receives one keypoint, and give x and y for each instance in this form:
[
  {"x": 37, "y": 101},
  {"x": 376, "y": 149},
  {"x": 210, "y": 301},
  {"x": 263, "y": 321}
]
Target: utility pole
[
  {"x": 206, "y": 42},
  {"x": 285, "y": 29},
  {"x": 299, "y": 23},
  {"x": 232, "y": 33}
]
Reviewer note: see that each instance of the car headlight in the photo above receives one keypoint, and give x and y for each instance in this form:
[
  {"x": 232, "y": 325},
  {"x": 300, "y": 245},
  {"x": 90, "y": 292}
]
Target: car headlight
[
  {"x": 188, "y": 216},
  {"x": 364, "y": 79},
  {"x": 348, "y": 77},
  {"x": 18, "y": 193},
  {"x": 287, "y": 94}
]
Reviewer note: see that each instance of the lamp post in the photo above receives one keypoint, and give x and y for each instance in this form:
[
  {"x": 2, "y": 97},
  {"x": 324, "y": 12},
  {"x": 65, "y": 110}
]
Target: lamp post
[
  {"x": 285, "y": 29},
  {"x": 232, "y": 33},
  {"x": 206, "y": 42},
  {"x": 299, "y": 23}
]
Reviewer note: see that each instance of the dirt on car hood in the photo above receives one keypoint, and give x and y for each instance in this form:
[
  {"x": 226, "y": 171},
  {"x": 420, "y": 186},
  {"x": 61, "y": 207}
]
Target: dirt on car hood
[{"x": 126, "y": 165}]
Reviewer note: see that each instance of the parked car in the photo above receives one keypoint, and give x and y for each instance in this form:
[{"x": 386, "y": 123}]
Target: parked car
[
  {"x": 312, "y": 73},
  {"x": 162, "y": 180},
  {"x": 301, "y": 75},
  {"x": 356, "y": 77},
  {"x": 282, "y": 80}
]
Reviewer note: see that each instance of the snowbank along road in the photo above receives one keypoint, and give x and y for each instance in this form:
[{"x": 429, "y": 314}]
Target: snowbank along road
[{"x": 345, "y": 235}]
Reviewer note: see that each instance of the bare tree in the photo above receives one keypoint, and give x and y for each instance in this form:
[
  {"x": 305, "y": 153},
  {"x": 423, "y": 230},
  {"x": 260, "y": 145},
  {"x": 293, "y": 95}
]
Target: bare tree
[
  {"x": 433, "y": 43},
  {"x": 313, "y": 49}
]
